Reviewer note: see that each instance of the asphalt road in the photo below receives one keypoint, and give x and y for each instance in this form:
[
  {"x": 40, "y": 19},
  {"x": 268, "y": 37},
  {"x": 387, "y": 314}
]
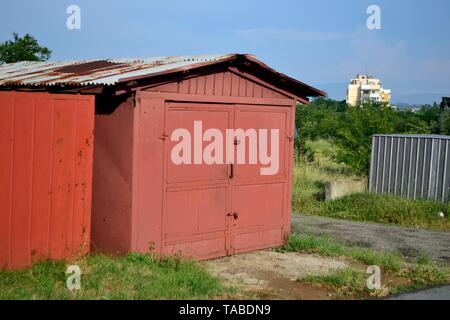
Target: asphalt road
[
  {"x": 410, "y": 242},
  {"x": 441, "y": 293}
]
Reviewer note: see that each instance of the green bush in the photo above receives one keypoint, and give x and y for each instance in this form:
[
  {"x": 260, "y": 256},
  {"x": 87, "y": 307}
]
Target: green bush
[{"x": 354, "y": 139}]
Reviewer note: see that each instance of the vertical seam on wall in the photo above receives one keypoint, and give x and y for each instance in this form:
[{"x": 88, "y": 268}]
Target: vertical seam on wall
[
  {"x": 52, "y": 154},
  {"x": 431, "y": 169},
  {"x": 378, "y": 164},
  {"x": 397, "y": 166},
  {"x": 444, "y": 192},
  {"x": 438, "y": 162},
  {"x": 417, "y": 168},
  {"x": 32, "y": 179},
  {"x": 74, "y": 178},
  {"x": 403, "y": 167},
  {"x": 11, "y": 182}
]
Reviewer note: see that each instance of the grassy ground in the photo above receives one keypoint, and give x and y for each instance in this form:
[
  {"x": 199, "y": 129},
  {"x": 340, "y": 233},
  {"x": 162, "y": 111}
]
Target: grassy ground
[
  {"x": 130, "y": 277},
  {"x": 309, "y": 194},
  {"x": 397, "y": 275}
]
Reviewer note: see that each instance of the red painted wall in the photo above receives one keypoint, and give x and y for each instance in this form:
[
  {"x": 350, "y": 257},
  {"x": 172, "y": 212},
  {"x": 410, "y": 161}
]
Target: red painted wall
[
  {"x": 141, "y": 202},
  {"x": 112, "y": 182},
  {"x": 46, "y": 155}
]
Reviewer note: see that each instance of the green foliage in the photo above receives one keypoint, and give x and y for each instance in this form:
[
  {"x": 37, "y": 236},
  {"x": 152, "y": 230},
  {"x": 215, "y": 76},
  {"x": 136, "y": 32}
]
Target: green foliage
[
  {"x": 444, "y": 122},
  {"x": 387, "y": 209},
  {"x": 351, "y": 128},
  {"x": 327, "y": 247},
  {"x": 320, "y": 119},
  {"x": 24, "y": 48},
  {"x": 427, "y": 273},
  {"x": 354, "y": 140},
  {"x": 346, "y": 281},
  {"x": 136, "y": 276},
  {"x": 303, "y": 150}
]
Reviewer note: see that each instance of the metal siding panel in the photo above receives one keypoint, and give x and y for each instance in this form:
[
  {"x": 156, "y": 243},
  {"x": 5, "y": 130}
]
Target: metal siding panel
[
  {"x": 412, "y": 166},
  {"x": 193, "y": 85},
  {"x": 400, "y": 166},
  {"x": 149, "y": 162},
  {"x": 382, "y": 147},
  {"x": 387, "y": 165},
  {"x": 6, "y": 167},
  {"x": 29, "y": 210},
  {"x": 426, "y": 156},
  {"x": 446, "y": 182},
  {"x": 406, "y": 166},
  {"x": 218, "y": 84},
  {"x": 393, "y": 166},
  {"x": 183, "y": 86},
  {"x": 201, "y": 85},
  {"x": 227, "y": 84},
  {"x": 440, "y": 170},
  {"x": 209, "y": 88},
  {"x": 22, "y": 183},
  {"x": 433, "y": 168},
  {"x": 373, "y": 165},
  {"x": 63, "y": 177},
  {"x": 242, "y": 87},
  {"x": 83, "y": 154},
  {"x": 250, "y": 87},
  {"x": 41, "y": 178}
]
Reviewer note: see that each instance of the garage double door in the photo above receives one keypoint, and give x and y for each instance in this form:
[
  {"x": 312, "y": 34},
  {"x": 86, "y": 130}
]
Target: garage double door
[{"x": 212, "y": 210}]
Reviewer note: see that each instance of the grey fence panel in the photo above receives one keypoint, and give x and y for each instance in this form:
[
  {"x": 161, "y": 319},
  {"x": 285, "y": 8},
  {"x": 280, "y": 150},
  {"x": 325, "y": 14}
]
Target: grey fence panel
[{"x": 414, "y": 166}]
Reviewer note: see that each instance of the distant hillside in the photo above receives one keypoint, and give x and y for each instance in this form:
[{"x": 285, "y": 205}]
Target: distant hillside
[{"x": 418, "y": 98}]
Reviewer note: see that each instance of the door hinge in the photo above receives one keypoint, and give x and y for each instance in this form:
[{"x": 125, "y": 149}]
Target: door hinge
[
  {"x": 164, "y": 136},
  {"x": 290, "y": 138}
]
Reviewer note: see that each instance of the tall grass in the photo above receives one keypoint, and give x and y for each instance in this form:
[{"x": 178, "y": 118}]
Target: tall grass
[{"x": 134, "y": 276}]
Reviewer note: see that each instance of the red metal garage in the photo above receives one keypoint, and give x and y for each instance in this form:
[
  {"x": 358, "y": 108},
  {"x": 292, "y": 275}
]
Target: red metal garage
[
  {"x": 142, "y": 200},
  {"x": 46, "y": 156},
  {"x": 201, "y": 210}
]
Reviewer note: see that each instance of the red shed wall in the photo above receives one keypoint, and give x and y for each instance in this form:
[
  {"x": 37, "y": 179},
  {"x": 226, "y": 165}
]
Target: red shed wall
[
  {"x": 132, "y": 209},
  {"x": 46, "y": 154},
  {"x": 112, "y": 185},
  {"x": 222, "y": 84}
]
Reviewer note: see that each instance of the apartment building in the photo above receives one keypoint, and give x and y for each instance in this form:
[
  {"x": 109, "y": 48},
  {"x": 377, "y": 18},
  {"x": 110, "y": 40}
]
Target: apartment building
[{"x": 364, "y": 88}]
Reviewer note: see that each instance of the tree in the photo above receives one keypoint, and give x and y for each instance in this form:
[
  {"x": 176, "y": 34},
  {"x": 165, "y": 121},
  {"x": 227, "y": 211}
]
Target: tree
[
  {"x": 24, "y": 48},
  {"x": 354, "y": 138}
]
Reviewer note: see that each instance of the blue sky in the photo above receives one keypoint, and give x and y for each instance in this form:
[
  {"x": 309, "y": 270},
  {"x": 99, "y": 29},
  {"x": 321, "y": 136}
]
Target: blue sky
[{"x": 322, "y": 42}]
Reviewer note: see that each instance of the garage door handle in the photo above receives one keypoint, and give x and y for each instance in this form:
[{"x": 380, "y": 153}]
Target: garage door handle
[{"x": 231, "y": 171}]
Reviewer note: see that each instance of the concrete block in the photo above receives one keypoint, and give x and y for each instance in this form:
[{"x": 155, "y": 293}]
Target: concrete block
[{"x": 338, "y": 189}]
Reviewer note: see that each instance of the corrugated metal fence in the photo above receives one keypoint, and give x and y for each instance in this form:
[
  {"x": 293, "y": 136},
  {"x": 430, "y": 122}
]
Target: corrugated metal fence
[{"x": 413, "y": 166}]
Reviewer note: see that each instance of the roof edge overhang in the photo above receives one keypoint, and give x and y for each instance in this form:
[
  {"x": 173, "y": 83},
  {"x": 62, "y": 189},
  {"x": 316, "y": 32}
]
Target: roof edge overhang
[{"x": 244, "y": 62}]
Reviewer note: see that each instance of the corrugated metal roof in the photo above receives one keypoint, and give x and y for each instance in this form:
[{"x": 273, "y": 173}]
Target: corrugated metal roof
[
  {"x": 97, "y": 72},
  {"x": 115, "y": 71}
]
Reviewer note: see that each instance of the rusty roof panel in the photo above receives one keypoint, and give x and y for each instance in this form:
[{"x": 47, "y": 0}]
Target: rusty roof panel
[
  {"x": 114, "y": 71},
  {"x": 91, "y": 72}
]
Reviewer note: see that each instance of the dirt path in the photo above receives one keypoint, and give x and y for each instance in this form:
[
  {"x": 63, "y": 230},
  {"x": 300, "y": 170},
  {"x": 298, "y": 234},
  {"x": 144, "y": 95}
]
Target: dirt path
[
  {"x": 271, "y": 275},
  {"x": 410, "y": 242}
]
